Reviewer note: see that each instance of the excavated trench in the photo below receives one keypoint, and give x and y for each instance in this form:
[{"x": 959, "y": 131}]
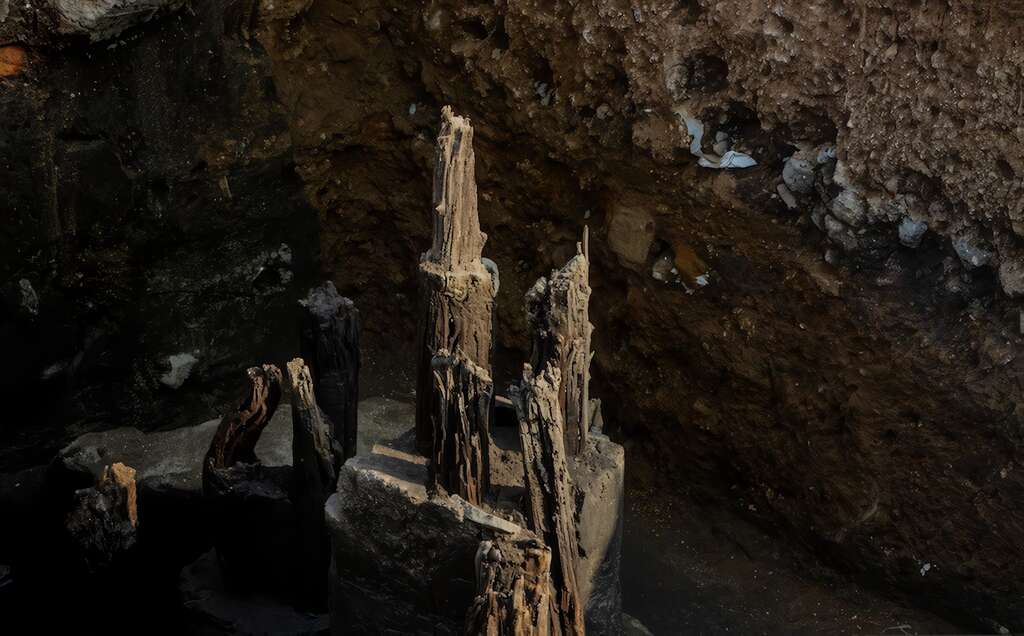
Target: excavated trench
[{"x": 811, "y": 360}]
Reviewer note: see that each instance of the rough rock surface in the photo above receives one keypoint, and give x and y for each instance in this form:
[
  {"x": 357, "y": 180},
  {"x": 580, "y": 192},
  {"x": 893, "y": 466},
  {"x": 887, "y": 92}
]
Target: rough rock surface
[
  {"x": 404, "y": 561},
  {"x": 853, "y": 393},
  {"x": 172, "y": 460}
]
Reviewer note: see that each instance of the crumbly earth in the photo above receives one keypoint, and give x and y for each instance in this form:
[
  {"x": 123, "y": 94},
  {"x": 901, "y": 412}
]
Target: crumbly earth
[{"x": 834, "y": 339}]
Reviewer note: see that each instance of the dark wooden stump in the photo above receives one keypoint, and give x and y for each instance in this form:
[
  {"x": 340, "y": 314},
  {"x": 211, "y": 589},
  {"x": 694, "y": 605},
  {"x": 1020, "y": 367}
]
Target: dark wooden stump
[
  {"x": 459, "y": 458},
  {"x": 314, "y": 479},
  {"x": 329, "y": 343},
  {"x": 239, "y": 495},
  {"x": 558, "y": 314},
  {"x": 514, "y": 594},
  {"x": 236, "y": 437},
  {"x": 550, "y": 509},
  {"x": 104, "y": 520},
  {"x": 456, "y": 289}
]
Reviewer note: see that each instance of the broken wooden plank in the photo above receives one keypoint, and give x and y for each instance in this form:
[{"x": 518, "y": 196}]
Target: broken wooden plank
[
  {"x": 314, "y": 476},
  {"x": 329, "y": 343},
  {"x": 557, "y": 311},
  {"x": 103, "y": 521},
  {"x": 514, "y": 594},
  {"x": 456, "y": 289},
  {"x": 463, "y": 394},
  {"x": 550, "y": 509}
]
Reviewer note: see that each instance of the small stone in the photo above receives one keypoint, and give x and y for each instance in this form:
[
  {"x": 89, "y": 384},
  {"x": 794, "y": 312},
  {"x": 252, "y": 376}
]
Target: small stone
[
  {"x": 848, "y": 207},
  {"x": 12, "y": 60},
  {"x": 911, "y": 231},
  {"x": 971, "y": 253},
  {"x": 840, "y": 234},
  {"x": 29, "y": 298},
  {"x": 664, "y": 270},
  {"x": 181, "y": 366},
  {"x": 786, "y": 196},
  {"x": 1011, "y": 277},
  {"x": 798, "y": 174},
  {"x": 630, "y": 234}
]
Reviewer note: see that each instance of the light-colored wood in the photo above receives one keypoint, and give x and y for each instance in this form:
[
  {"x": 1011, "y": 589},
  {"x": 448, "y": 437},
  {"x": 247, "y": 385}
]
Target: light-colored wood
[
  {"x": 557, "y": 311},
  {"x": 456, "y": 289},
  {"x": 550, "y": 509}
]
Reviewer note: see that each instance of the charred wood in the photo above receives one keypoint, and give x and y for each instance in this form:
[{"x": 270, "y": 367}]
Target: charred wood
[
  {"x": 329, "y": 343},
  {"x": 314, "y": 478},
  {"x": 104, "y": 519}
]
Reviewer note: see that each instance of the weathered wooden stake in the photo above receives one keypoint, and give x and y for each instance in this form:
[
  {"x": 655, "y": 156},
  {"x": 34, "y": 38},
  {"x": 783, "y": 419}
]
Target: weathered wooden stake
[
  {"x": 514, "y": 595},
  {"x": 329, "y": 343},
  {"x": 550, "y": 510},
  {"x": 558, "y": 314},
  {"x": 236, "y": 437},
  {"x": 314, "y": 478},
  {"x": 103, "y": 521},
  {"x": 459, "y": 458},
  {"x": 456, "y": 289}
]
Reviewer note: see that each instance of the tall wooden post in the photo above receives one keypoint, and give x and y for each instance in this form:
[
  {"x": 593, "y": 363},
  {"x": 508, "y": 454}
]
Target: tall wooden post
[
  {"x": 329, "y": 343},
  {"x": 456, "y": 289},
  {"x": 459, "y": 458},
  {"x": 314, "y": 478},
  {"x": 550, "y": 509},
  {"x": 558, "y": 314}
]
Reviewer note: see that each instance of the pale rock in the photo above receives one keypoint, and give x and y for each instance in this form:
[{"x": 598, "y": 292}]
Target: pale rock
[
  {"x": 181, "y": 365},
  {"x": 911, "y": 232},
  {"x": 630, "y": 234}
]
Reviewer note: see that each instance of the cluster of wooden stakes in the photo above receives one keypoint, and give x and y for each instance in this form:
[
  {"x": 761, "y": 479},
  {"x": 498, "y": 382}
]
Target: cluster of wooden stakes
[{"x": 524, "y": 586}]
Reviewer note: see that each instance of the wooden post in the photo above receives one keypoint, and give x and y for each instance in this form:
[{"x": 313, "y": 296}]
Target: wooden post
[
  {"x": 314, "y": 478},
  {"x": 514, "y": 595},
  {"x": 236, "y": 437},
  {"x": 463, "y": 396},
  {"x": 103, "y": 521},
  {"x": 557, "y": 312},
  {"x": 456, "y": 289},
  {"x": 231, "y": 469},
  {"x": 329, "y": 342},
  {"x": 550, "y": 510}
]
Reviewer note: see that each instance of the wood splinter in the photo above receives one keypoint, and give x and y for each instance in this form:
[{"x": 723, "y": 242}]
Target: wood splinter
[{"x": 550, "y": 505}]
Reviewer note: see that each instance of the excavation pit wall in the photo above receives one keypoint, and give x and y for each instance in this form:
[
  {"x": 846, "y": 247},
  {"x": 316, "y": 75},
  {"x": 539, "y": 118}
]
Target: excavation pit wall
[{"x": 843, "y": 379}]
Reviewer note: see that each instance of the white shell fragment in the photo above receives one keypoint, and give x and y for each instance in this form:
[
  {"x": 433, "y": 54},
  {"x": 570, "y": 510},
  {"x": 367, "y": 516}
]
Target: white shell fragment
[{"x": 731, "y": 159}]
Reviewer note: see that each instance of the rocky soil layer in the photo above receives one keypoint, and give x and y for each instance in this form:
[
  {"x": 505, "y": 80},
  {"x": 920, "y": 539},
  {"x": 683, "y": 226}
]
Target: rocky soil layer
[{"x": 826, "y": 340}]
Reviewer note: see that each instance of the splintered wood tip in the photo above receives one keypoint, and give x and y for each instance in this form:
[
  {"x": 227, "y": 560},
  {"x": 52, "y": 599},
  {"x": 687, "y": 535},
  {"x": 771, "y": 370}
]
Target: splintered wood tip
[
  {"x": 449, "y": 118},
  {"x": 298, "y": 372}
]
